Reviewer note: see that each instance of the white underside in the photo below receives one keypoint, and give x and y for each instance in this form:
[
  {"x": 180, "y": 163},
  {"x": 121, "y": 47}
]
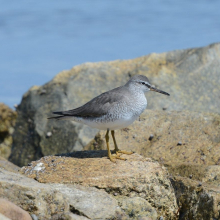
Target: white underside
[
  {"x": 101, "y": 125},
  {"x": 112, "y": 125}
]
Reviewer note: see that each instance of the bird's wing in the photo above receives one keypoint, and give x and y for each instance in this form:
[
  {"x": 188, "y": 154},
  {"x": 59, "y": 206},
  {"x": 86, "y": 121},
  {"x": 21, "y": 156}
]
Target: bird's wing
[{"x": 98, "y": 106}]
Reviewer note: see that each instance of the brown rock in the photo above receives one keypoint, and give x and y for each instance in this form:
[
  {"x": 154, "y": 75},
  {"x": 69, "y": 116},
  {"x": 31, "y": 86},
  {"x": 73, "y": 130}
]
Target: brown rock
[
  {"x": 7, "y": 123},
  {"x": 137, "y": 182},
  {"x": 12, "y": 211},
  {"x": 197, "y": 132}
]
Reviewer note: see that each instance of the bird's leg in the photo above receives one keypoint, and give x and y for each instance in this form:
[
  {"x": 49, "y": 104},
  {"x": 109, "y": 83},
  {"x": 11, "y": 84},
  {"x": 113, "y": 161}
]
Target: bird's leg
[
  {"x": 116, "y": 150},
  {"x": 108, "y": 148}
]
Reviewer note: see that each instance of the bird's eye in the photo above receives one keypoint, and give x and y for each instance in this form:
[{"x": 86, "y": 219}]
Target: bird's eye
[{"x": 143, "y": 83}]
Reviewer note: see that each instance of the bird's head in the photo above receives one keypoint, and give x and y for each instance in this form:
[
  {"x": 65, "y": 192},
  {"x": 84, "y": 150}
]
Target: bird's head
[{"x": 141, "y": 82}]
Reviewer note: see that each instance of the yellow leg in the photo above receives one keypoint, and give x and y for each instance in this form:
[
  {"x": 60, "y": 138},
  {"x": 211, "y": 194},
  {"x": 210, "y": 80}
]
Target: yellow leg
[
  {"x": 116, "y": 150},
  {"x": 108, "y": 148}
]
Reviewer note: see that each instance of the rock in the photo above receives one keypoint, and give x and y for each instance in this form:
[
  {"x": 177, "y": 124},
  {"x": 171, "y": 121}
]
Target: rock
[
  {"x": 57, "y": 201},
  {"x": 12, "y": 211},
  {"x": 204, "y": 173},
  {"x": 198, "y": 133},
  {"x": 7, "y": 123},
  {"x": 139, "y": 185},
  {"x": 190, "y": 76},
  {"x": 8, "y": 165},
  {"x": 197, "y": 189},
  {"x": 137, "y": 206},
  {"x": 196, "y": 202}
]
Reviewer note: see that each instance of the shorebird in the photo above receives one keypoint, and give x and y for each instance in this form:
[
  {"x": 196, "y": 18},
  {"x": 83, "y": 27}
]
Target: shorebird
[{"x": 112, "y": 110}]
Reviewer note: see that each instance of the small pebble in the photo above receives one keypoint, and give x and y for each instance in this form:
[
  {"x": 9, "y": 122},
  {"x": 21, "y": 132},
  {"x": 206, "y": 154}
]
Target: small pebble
[
  {"x": 151, "y": 137},
  {"x": 49, "y": 133},
  {"x": 190, "y": 176},
  {"x": 161, "y": 218},
  {"x": 179, "y": 143},
  {"x": 115, "y": 194},
  {"x": 200, "y": 184},
  {"x": 52, "y": 161},
  {"x": 164, "y": 108}
]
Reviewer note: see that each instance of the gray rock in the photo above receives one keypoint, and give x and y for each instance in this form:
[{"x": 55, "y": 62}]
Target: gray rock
[
  {"x": 190, "y": 76},
  {"x": 57, "y": 201},
  {"x": 137, "y": 206}
]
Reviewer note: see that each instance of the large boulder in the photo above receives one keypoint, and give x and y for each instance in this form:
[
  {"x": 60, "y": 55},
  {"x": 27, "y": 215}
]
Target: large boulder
[
  {"x": 7, "y": 123},
  {"x": 79, "y": 187},
  {"x": 170, "y": 136},
  {"x": 190, "y": 76}
]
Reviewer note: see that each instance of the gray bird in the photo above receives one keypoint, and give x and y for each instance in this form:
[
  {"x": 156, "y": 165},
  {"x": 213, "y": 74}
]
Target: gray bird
[{"x": 112, "y": 110}]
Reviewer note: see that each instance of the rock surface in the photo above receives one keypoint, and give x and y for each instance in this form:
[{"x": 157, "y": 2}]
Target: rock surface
[
  {"x": 169, "y": 137},
  {"x": 197, "y": 201},
  {"x": 190, "y": 76},
  {"x": 136, "y": 188},
  {"x": 209, "y": 174},
  {"x": 13, "y": 212},
  {"x": 56, "y": 201},
  {"x": 7, "y": 123}
]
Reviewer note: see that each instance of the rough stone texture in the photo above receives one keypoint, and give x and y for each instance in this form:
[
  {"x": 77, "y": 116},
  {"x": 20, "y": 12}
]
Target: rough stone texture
[
  {"x": 196, "y": 200},
  {"x": 12, "y": 211},
  {"x": 203, "y": 173},
  {"x": 7, "y": 123},
  {"x": 137, "y": 206},
  {"x": 57, "y": 201},
  {"x": 197, "y": 189},
  {"x": 177, "y": 136},
  {"x": 190, "y": 76},
  {"x": 140, "y": 185},
  {"x": 8, "y": 165}
]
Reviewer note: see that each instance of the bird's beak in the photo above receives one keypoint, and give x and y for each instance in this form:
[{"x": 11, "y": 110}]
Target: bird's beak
[{"x": 160, "y": 91}]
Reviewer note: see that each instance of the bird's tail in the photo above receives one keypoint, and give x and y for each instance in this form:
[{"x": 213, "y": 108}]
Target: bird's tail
[{"x": 60, "y": 116}]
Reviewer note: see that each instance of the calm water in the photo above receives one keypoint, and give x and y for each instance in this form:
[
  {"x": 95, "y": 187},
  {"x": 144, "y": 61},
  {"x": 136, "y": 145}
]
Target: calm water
[{"x": 39, "y": 39}]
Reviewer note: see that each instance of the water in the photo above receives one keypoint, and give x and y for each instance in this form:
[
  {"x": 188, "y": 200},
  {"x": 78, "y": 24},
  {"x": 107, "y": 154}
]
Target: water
[{"x": 38, "y": 39}]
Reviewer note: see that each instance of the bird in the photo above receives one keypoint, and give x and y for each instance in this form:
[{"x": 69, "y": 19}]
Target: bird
[{"x": 112, "y": 110}]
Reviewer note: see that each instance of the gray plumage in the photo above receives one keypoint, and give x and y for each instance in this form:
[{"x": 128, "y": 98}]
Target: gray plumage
[{"x": 123, "y": 104}]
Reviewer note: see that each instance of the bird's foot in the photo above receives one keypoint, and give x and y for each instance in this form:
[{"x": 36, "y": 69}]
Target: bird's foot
[
  {"x": 119, "y": 152},
  {"x": 115, "y": 157}
]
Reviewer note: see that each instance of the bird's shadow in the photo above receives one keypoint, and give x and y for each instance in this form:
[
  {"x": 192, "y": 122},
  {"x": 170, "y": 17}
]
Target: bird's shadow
[{"x": 85, "y": 154}]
